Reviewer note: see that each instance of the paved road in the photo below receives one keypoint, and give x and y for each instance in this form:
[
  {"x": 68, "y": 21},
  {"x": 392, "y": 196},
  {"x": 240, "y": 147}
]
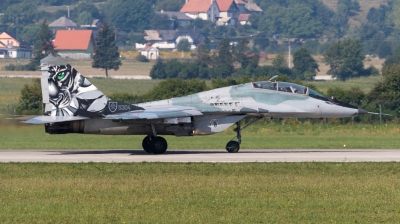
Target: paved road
[{"x": 298, "y": 155}]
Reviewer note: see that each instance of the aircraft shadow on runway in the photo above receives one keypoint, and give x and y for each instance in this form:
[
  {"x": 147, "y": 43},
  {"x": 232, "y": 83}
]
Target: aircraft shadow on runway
[{"x": 178, "y": 152}]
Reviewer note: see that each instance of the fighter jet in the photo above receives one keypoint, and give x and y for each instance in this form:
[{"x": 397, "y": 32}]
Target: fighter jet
[{"x": 74, "y": 105}]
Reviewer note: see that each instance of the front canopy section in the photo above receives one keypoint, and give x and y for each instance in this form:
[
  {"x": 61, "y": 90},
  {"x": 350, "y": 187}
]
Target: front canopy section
[{"x": 281, "y": 86}]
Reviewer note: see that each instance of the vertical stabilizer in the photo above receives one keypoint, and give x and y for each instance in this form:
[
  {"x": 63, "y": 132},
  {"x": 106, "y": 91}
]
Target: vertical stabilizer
[{"x": 66, "y": 92}]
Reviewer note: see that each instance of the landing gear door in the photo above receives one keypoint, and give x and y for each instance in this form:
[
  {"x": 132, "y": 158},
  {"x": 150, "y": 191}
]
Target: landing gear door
[{"x": 211, "y": 124}]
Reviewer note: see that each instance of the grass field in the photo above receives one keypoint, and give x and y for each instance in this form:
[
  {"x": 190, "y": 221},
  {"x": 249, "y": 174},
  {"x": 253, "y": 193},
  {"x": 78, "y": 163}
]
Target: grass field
[
  {"x": 262, "y": 136},
  {"x": 200, "y": 193}
]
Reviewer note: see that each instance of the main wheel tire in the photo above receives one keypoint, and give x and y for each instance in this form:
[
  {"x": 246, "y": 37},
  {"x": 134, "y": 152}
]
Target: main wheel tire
[
  {"x": 146, "y": 144},
  {"x": 158, "y": 145},
  {"x": 232, "y": 146}
]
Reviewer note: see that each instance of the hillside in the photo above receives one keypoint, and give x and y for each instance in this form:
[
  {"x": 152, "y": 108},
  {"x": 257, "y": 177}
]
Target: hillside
[{"x": 358, "y": 17}]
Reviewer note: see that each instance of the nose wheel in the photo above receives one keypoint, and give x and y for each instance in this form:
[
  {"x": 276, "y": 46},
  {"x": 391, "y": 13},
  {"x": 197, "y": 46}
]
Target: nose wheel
[{"x": 234, "y": 146}]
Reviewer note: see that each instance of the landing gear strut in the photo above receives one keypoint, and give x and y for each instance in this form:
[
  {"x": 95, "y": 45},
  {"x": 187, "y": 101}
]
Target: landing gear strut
[{"x": 234, "y": 146}]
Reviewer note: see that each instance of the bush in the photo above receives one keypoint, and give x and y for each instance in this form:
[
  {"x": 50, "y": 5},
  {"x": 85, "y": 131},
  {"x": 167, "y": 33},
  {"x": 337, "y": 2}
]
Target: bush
[
  {"x": 31, "y": 99},
  {"x": 142, "y": 58},
  {"x": 19, "y": 67}
]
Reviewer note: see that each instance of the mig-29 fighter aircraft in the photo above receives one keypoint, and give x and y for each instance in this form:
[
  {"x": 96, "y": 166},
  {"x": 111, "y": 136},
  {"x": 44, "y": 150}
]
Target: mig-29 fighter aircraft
[{"x": 74, "y": 105}]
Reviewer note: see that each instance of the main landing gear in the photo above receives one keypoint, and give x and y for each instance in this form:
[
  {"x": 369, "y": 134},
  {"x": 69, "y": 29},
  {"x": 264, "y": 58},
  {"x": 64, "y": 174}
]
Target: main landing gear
[
  {"x": 154, "y": 144},
  {"x": 234, "y": 146}
]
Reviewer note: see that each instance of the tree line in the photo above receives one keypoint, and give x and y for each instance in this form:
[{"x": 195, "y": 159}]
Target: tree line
[{"x": 344, "y": 57}]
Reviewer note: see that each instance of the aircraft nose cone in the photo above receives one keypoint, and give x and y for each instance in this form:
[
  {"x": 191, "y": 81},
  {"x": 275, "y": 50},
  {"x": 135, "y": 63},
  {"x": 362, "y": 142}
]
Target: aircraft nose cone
[{"x": 361, "y": 111}]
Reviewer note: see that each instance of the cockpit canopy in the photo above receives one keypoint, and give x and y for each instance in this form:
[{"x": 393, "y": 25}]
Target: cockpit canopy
[{"x": 289, "y": 88}]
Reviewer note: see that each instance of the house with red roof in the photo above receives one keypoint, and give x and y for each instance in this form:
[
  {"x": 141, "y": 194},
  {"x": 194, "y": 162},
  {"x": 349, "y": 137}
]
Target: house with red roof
[
  {"x": 243, "y": 19},
  {"x": 222, "y": 12},
  {"x": 76, "y": 44},
  {"x": 203, "y": 9},
  {"x": 10, "y": 47},
  {"x": 228, "y": 12}
]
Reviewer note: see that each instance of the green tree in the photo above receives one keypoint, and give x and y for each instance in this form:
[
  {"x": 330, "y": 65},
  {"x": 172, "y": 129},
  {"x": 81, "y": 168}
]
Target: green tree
[
  {"x": 341, "y": 19},
  {"x": 394, "y": 58},
  {"x": 279, "y": 61},
  {"x": 224, "y": 53},
  {"x": 345, "y": 59},
  {"x": 134, "y": 15},
  {"x": 85, "y": 11},
  {"x": 239, "y": 52},
  {"x": 30, "y": 33},
  {"x": 172, "y": 68},
  {"x": 387, "y": 92},
  {"x": 43, "y": 47},
  {"x": 84, "y": 18},
  {"x": 305, "y": 65},
  {"x": 30, "y": 101},
  {"x": 350, "y": 4},
  {"x": 161, "y": 22},
  {"x": 169, "y": 5},
  {"x": 354, "y": 96},
  {"x": 297, "y": 20},
  {"x": 106, "y": 52},
  {"x": 203, "y": 54},
  {"x": 183, "y": 45},
  {"x": 21, "y": 14},
  {"x": 158, "y": 70}
]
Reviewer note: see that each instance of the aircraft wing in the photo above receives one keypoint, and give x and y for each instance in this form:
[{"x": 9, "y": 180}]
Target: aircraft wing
[
  {"x": 157, "y": 113},
  {"x": 53, "y": 119}
]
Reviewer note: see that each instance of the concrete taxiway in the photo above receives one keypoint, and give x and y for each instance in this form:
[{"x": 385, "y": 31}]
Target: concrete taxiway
[{"x": 217, "y": 155}]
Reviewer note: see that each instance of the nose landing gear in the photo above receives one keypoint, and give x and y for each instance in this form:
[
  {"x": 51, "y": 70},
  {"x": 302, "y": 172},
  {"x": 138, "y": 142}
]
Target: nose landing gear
[{"x": 234, "y": 146}]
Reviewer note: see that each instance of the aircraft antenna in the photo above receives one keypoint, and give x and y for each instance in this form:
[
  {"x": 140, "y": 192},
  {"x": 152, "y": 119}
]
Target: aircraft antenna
[{"x": 273, "y": 77}]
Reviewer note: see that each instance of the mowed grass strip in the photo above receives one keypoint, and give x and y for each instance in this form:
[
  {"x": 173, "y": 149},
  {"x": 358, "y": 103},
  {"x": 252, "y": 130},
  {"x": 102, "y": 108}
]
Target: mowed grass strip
[
  {"x": 262, "y": 136},
  {"x": 200, "y": 193}
]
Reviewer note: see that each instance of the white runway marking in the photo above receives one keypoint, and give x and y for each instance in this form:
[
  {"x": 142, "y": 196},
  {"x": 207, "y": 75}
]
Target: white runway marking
[{"x": 217, "y": 155}]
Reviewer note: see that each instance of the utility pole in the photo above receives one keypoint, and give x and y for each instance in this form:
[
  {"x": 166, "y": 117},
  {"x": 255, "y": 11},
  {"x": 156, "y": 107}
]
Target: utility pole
[{"x": 289, "y": 54}]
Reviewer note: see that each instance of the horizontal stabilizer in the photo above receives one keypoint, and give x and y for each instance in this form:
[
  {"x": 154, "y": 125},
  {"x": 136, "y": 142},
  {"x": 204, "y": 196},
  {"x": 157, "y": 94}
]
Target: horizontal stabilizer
[
  {"x": 53, "y": 119},
  {"x": 156, "y": 113}
]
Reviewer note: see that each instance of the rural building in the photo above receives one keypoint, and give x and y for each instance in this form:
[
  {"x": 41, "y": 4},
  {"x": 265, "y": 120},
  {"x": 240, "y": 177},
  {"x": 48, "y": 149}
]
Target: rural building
[
  {"x": 150, "y": 52},
  {"x": 194, "y": 37},
  {"x": 203, "y": 9},
  {"x": 252, "y": 8},
  {"x": 180, "y": 18},
  {"x": 163, "y": 39},
  {"x": 243, "y": 19},
  {"x": 228, "y": 12},
  {"x": 221, "y": 12},
  {"x": 63, "y": 23},
  {"x": 12, "y": 48},
  {"x": 169, "y": 39},
  {"x": 76, "y": 44}
]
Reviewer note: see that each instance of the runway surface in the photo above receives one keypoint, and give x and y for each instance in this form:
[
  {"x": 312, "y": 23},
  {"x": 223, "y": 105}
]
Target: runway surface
[{"x": 217, "y": 155}]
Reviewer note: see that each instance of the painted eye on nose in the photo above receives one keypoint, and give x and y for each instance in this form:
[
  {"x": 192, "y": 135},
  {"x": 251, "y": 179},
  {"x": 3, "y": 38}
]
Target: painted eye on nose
[{"x": 61, "y": 76}]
